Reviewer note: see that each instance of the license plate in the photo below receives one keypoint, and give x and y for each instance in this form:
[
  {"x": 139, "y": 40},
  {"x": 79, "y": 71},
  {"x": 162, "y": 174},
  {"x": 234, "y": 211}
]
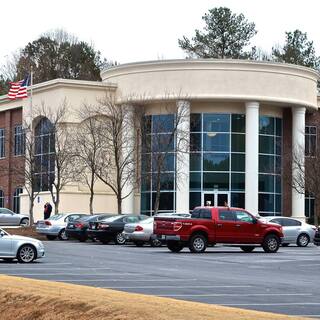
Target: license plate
[
  {"x": 71, "y": 226},
  {"x": 163, "y": 237},
  {"x": 93, "y": 227}
]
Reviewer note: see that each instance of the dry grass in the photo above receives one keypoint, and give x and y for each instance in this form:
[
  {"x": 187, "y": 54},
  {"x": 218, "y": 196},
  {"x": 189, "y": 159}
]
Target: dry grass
[
  {"x": 25, "y": 231},
  {"x": 26, "y": 299}
]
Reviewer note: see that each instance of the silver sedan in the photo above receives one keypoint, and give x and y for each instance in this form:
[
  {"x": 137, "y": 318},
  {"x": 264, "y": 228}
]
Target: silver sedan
[
  {"x": 10, "y": 218},
  {"x": 24, "y": 249},
  {"x": 295, "y": 231}
]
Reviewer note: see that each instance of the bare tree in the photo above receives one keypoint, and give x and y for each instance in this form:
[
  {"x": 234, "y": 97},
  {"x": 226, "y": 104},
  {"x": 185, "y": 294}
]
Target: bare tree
[
  {"x": 88, "y": 148},
  {"x": 168, "y": 137},
  {"x": 116, "y": 165},
  {"x": 61, "y": 133}
]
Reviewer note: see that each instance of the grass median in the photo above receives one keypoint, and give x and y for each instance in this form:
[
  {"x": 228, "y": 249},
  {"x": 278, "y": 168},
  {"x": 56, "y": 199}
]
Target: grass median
[{"x": 28, "y": 299}]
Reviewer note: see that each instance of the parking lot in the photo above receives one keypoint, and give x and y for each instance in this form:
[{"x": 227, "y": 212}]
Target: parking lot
[{"x": 286, "y": 282}]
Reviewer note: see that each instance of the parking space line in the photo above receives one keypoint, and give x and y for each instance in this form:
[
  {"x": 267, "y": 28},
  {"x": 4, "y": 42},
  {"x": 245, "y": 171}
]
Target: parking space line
[{"x": 236, "y": 295}]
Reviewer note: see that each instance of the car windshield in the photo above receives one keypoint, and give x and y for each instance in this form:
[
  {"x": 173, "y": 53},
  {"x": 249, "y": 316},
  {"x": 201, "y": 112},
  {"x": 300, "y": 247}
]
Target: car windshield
[{"x": 56, "y": 216}]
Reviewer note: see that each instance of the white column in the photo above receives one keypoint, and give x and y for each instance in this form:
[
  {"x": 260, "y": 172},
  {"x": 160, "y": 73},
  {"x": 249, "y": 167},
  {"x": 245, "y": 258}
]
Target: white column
[
  {"x": 128, "y": 153},
  {"x": 298, "y": 149},
  {"x": 183, "y": 157},
  {"x": 252, "y": 157}
]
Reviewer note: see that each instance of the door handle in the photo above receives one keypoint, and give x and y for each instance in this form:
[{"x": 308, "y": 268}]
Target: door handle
[
  {"x": 237, "y": 225},
  {"x": 219, "y": 225}
]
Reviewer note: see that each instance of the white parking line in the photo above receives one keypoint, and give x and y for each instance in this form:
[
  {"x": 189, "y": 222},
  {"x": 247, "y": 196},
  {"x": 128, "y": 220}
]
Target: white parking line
[{"x": 235, "y": 295}]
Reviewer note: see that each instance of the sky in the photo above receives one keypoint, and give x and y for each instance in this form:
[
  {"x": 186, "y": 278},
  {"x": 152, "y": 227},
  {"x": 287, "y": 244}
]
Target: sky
[{"x": 139, "y": 30}]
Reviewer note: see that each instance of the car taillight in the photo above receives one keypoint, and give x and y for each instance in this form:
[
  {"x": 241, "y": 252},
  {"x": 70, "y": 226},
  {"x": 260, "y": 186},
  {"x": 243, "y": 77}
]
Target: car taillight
[
  {"x": 138, "y": 228},
  {"x": 103, "y": 226},
  {"x": 177, "y": 226},
  {"x": 79, "y": 225},
  {"x": 48, "y": 223}
]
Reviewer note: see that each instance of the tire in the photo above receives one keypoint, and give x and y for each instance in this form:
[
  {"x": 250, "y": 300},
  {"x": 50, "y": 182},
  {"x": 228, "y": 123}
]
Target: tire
[
  {"x": 285, "y": 244},
  {"x": 26, "y": 254},
  {"x": 155, "y": 243},
  {"x": 247, "y": 249},
  {"x": 303, "y": 240},
  {"x": 24, "y": 222},
  {"x": 50, "y": 237},
  {"x": 119, "y": 238},
  {"x": 198, "y": 243},
  {"x": 271, "y": 243},
  {"x": 63, "y": 235},
  {"x": 174, "y": 246},
  {"x": 139, "y": 243}
]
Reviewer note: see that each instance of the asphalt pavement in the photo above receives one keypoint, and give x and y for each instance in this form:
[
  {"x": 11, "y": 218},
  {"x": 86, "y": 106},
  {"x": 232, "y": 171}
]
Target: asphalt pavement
[{"x": 286, "y": 282}]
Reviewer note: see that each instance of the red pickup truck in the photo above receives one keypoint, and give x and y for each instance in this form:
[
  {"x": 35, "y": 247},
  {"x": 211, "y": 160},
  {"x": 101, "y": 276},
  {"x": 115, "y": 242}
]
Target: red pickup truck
[{"x": 211, "y": 225}]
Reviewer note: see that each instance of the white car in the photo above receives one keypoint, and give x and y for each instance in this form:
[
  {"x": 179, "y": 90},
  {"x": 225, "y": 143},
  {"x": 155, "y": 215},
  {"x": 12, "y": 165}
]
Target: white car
[
  {"x": 294, "y": 231},
  {"x": 22, "y": 248},
  {"x": 10, "y": 218},
  {"x": 56, "y": 225}
]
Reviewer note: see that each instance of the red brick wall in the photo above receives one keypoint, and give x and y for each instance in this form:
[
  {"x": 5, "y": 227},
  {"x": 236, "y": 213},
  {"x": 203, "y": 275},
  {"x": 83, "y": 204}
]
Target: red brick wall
[{"x": 8, "y": 181}]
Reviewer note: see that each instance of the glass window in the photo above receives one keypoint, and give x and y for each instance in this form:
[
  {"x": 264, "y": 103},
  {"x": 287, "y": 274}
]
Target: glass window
[
  {"x": 238, "y": 200},
  {"x": 243, "y": 216},
  {"x": 195, "y": 181},
  {"x": 162, "y": 142},
  {"x": 310, "y": 141},
  {"x": 162, "y": 162},
  {"x": 238, "y": 162},
  {"x": 216, "y": 162},
  {"x": 146, "y": 163},
  {"x": 166, "y": 181},
  {"x": 1, "y": 199},
  {"x": 237, "y": 181},
  {"x": 278, "y": 146},
  {"x": 216, "y": 122},
  {"x": 266, "y": 164},
  {"x": 216, "y": 142},
  {"x": 278, "y": 208},
  {"x": 238, "y": 123},
  {"x": 16, "y": 200},
  {"x": 2, "y": 143},
  {"x": 266, "y": 125},
  {"x": 278, "y": 184},
  {"x": 195, "y": 200},
  {"x": 238, "y": 143},
  {"x": 146, "y": 144},
  {"x": 19, "y": 141},
  {"x": 162, "y": 123},
  {"x": 195, "y": 142},
  {"x": 286, "y": 222},
  {"x": 145, "y": 201},
  {"x": 266, "y": 202},
  {"x": 218, "y": 181},
  {"x": 166, "y": 201},
  {"x": 147, "y": 125},
  {"x": 266, "y": 183},
  {"x": 195, "y": 122},
  {"x": 195, "y": 161},
  {"x": 266, "y": 144},
  {"x": 205, "y": 214},
  {"x": 227, "y": 215},
  {"x": 278, "y": 127}
]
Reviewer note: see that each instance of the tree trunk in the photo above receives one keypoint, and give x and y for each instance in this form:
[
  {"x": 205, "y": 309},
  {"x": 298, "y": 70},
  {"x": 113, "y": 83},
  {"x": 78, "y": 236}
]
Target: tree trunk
[
  {"x": 91, "y": 201},
  {"x": 31, "y": 219},
  {"x": 56, "y": 203},
  {"x": 119, "y": 203}
]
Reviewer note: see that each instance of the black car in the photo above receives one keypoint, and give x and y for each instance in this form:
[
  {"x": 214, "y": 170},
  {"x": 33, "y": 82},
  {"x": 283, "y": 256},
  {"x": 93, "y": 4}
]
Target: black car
[
  {"x": 112, "y": 228},
  {"x": 77, "y": 229},
  {"x": 316, "y": 239}
]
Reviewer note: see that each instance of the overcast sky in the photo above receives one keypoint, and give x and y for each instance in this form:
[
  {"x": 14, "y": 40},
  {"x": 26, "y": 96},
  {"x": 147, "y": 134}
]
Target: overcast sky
[{"x": 137, "y": 30}]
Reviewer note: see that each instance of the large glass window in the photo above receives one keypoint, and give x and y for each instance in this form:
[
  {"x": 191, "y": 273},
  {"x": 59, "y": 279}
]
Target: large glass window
[
  {"x": 2, "y": 143},
  {"x": 19, "y": 141},
  {"x": 1, "y": 199},
  {"x": 44, "y": 155},
  {"x": 16, "y": 200},
  {"x": 158, "y": 163},
  {"x": 217, "y": 156},
  {"x": 310, "y": 141},
  {"x": 270, "y": 137}
]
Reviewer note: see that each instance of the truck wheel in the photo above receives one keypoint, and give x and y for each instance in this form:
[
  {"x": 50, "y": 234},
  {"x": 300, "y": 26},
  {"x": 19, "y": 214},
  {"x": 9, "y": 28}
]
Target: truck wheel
[
  {"x": 174, "y": 246},
  {"x": 303, "y": 240},
  {"x": 198, "y": 243},
  {"x": 247, "y": 248},
  {"x": 271, "y": 243}
]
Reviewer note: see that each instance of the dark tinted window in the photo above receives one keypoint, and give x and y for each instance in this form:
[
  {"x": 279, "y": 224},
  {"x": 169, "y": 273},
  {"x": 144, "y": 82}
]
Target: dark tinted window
[
  {"x": 227, "y": 215},
  {"x": 201, "y": 213},
  {"x": 290, "y": 222},
  {"x": 195, "y": 213},
  {"x": 276, "y": 221}
]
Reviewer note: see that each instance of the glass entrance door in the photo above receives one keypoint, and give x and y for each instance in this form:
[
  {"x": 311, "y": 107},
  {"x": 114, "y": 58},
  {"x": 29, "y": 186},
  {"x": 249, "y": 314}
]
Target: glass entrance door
[{"x": 215, "y": 199}]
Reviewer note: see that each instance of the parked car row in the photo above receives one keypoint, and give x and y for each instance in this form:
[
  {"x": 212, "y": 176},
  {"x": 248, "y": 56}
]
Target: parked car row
[{"x": 10, "y": 218}]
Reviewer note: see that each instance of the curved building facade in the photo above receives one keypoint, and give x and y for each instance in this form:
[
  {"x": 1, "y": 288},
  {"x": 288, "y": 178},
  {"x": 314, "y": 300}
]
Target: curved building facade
[{"x": 244, "y": 119}]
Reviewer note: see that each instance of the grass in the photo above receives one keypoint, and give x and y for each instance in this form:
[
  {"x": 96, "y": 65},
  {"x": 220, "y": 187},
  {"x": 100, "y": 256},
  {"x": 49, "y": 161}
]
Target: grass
[
  {"x": 26, "y": 232},
  {"x": 27, "y": 299}
]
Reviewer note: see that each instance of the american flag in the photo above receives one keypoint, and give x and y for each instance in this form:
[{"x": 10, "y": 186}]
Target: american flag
[{"x": 19, "y": 89}]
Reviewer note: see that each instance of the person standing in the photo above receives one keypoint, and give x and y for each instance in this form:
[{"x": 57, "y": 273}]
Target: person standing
[{"x": 47, "y": 210}]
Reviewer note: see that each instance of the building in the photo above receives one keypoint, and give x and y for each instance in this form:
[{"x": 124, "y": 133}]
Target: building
[{"x": 245, "y": 119}]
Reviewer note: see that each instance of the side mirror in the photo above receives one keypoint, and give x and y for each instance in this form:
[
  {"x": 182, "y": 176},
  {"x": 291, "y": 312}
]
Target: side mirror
[
  {"x": 255, "y": 221},
  {"x": 2, "y": 233}
]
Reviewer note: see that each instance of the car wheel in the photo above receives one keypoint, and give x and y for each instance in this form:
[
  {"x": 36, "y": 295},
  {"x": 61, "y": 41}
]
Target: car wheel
[
  {"x": 24, "y": 222},
  {"x": 271, "y": 243},
  {"x": 247, "y": 248},
  {"x": 26, "y": 254},
  {"x": 174, "y": 246},
  {"x": 139, "y": 243},
  {"x": 119, "y": 238},
  {"x": 63, "y": 235},
  {"x": 303, "y": 240},
  {"x": 198, "y": 243},
  {"x": 155, "y": 243},
  {"x": 50, "y": 237},
  {"x": 285, "y": 244}
]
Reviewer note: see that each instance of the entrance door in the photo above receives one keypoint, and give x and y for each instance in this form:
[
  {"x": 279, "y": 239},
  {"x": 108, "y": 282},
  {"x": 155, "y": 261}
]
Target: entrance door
[{"x": 215, "y": 199}]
